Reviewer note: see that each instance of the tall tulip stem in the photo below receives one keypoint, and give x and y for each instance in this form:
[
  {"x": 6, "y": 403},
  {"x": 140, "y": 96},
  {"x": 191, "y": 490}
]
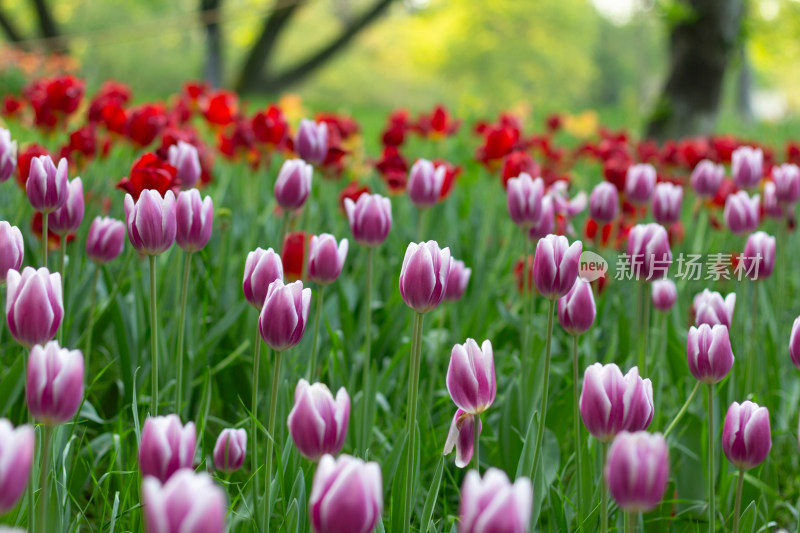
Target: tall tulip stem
[
  {"x": 44, "y": 240},
  {"x": 62, "y": 259},
  {"x": 153, "y": 336},
  {"x": 711, "y": 445},
  {"x": 476, "y": 442},
  {"x": 310, "y": 371},
  {"x": 254, "y": 415},
  {"x": 273, "y": 410},
  {"x": 604, "y": 492},
  {"x": 187, "y": 265},
  {"x": 738, "y": 504},
  {"x": 630, "y": 522},
  {"x": 366, "y": 430},
  {"x": 44, "y": 472},
  {"x": 645, "y": 328},
  {"x": 526, "y": 317},
  {"x": 545, "y": 387},
  {"x": 411, "y": 415},
  {"x": 87, "y": 355},
  {"x": 683, "y": 410},
  {"x": 577, "y": 427}
]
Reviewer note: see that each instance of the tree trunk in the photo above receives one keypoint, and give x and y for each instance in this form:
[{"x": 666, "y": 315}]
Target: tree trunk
[
  {"x": 48, "y": 28},
  {"x": 700, "y": 49},
  {"x": 10, "y": 30},
  {"x": 210, "y": 11}
]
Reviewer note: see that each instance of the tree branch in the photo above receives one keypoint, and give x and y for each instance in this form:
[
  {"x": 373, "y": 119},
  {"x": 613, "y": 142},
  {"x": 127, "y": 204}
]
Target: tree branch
[
  {"x": 10, "y": 29},
  {"x": 47, "y": 25}
]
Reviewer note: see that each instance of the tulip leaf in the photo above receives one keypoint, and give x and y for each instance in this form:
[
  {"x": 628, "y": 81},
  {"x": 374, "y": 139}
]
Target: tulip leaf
[
  {"x": 747, "y": 520},
  {"x": 433, "y": 494}
]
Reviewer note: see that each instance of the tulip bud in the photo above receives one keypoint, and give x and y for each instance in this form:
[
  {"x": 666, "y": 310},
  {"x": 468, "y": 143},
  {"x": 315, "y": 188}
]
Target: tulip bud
[
  {"x": 230, "y": 450},
  {"x": 188, "y": 503},
  {"x": 105, "y": 240},
  {"x": 746, "y": 166},
  {"x": 317, "y": 422},
  {"x": 370, "y": 218},
  {"x": 667, "y": 200},
  {"x": 648, "y": 248},
  {"x": 69, "y": 216},
  {"x": 151, "y": 221},
  {"x": 547, "y": 221},
  {"x": 423, "y": 276},
  {"x": 576, "y": 309},
  {"x": 794, "y": 343},
  {"x": 664, "y": 294},
  {"x": 293, "y": 184},
  {"x": 637, "y": 470},
  {"x": 194, "y": 218},
  {"x": 742, "y": 213},
  {"x": 457, "y": 280},
  {"x": 787, "y": 183},
  {"x": 284, "y": 316},
  {"x": 166, "y": 447},
  {"x": 759, "y": 256},
  {"x": 12, "y": 248},
  {"x": 346, "y": 496},
  {"x": 524, "y": 199},
  {"x": 47, "y": 185},
  {"x": 34, "y": 307},
  {"x": 711, "y": 309},
  {"x": 54, "y": 388},
  {"x": 555, "y": 266},
  {"x": 709, "y": 352},
  {"x": 185, "y": 158},
  {"x": 17, "y": 450},
  {"x": 746, "y": 438},
  {"x": 311, "y": 141},
  {"x": 471, "y": 377},
  {"x": 604, "y": 202},
  {"x": 260, "y": 270},
  {"x": 770, "y": 205},
  {"x": 425, "y": 183},
  {"x": 611, "y": 402},
  {"x": 493, "y": 504},
  {"x": 461, "y": 436},
  {"x": 639, "y": 183},
  {"x": 707, "y": 178},
  {"x": 326, "y": 258},
  {"x": 8, "y": 155}
]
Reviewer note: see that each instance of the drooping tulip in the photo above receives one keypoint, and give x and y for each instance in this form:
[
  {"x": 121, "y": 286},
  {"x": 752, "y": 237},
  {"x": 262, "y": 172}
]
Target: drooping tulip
[
  {"x": 284, "y": 316},
  {"x": 707, "y": 178},
  {"x": 667, "y": 199},
  {"x": 576, "y": 309},
  {"x": 8, "y": 155},
  {"x": 346, "y": 496},
  {"x": 746, "y": 437},
  {"x": 457, "y": 280},
  {"x": 423, "y": 276},
  {"x": 649, "y": 251},
  {"x": 261, "y": 268},
  {"x": 311, "y": 141},
  {"x": 185, "y": 158},
  {"x": 742, "y": 213},
  {"x": 746, "y": 166},
  {"x": 370, "y": 218},
  {"x": 188, "y": 502},
  {"x": 604, "y": 202},
  {"x": 12, "y": 249},
  {"x": 326, "y": 258},
  {"x": 69, "y": 216},
  {"x": 194, "y": 218},
  {"x": 639, "y": 183},
  {"x": 318, "y": 422},
  {"x": 493, "y": 504},
  {"x": 47, "y": 184},
  {"x": 471, "y": 378},
  {"x": 664, "y": 294},
  {"x": 637, "y": 470},
  {"x": 709, "y": 352},
  {"x": 787, "y": 183},
  {"x": 425, "y": 183},
  {"x": 54, "y": 385},
  {"x": 611, "y": 403},
  {"x": 524, "y": 198},
  {"x": 16, "y": 455},
  {"x": 105, "y": 240},
  {"x": 151, "y": 221},
  {"x": 563, "y": 204},
  {"x": 461, "y": 437},
  {"x": 555, "y": 265},
  {"x": 230, "y": 450},
  {"x": 293, "y": 184},
  {"x": 710, "y": 308},
  {"x": 166, "y": 447},
  {"x": 759, "y": 256},
  {"x": 34, "y": 306}
]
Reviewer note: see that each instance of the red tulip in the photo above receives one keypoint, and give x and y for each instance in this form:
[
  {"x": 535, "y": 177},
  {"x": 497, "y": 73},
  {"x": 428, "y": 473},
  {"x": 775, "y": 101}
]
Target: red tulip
[
  {"x": 145, "y": 123},
  {"x": 149, "y": 172},
  {"x": 220, "y": 108}
]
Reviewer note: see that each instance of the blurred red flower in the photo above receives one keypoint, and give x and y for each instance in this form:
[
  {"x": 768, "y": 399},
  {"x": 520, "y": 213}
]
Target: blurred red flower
[
  {"x": 342, "y": 126},
  {"x": 516, "y": 163},
  {"x": 149, "y": 172},
  {"x": 12, "y": 106},
  {"x": 437, "y": 124},
  {"x": 270, "y": 127},
  {"x": 451, "y": 173},
  {"x": 24, "y": 158},
  {"x": 145, "y": 123},
  {"x": 293, "y": 254},
  {"x": 352, "y": 190},
  {"x": 220, "y": 107}
]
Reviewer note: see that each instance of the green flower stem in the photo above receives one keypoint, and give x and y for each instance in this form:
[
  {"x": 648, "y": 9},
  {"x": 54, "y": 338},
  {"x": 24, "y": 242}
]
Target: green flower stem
[
  {"x": 645, "y": 301},
  {"x": 254, "y": 416},
  {"x": 411, "y": 415},
  {"x": 545, "y": 387},
  {"x": 44, "y": 240},
  {"x": 683, "y": 410},
  {"x": 44, "y": 471},
  {"x": 366, "y": 430},
  {"x": 87, "y": 355},
  {"x": 711, "y": 445},
  {"x": 284, "y": 228},
  {"x": 604, "y": 492},
  {"x": 310, "y": 371},
  {"x": 476, "y": 443},
  {"x": 527, "y": 300},
  {"x": 273, "y": 410},
  {"x": 153, "y": 336},
  {"x": 62, "y": 255},
  {"x": 577, "y": 427},
  {"x": 738, "y": 504},
  {"x": 181, "y": 327},
  {"x": 630, "y": 522}
]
